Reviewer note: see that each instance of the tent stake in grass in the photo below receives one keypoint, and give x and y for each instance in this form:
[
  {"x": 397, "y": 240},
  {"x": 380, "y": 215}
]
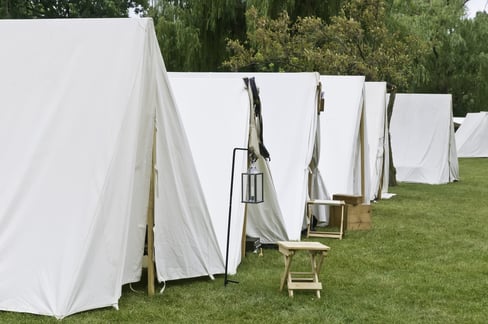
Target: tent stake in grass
[{"x": 251, "y": 193}]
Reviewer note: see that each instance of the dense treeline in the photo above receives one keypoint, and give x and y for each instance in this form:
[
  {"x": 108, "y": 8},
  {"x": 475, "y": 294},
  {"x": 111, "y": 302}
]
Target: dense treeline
[
  {"x": 18, "y": 9},
  {"x": 420, "y": 46}
]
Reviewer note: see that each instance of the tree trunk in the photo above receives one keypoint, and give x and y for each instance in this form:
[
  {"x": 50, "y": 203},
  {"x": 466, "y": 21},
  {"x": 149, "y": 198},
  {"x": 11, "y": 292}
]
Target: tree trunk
[{"x": 389, "y": 110}]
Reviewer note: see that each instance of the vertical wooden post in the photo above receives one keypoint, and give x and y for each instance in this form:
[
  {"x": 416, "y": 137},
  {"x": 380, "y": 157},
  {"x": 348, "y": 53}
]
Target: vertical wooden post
[
  {"x": 361, "y": 138},
  {"x": 150, "y": 225},
  {"x": 389, "y": 111}
]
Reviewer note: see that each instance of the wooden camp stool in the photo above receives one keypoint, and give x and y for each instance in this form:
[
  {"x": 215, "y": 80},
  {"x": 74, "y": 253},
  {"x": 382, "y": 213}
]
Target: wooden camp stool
[
  {"x": 302, "y": 280},
  {"x": 336, "y": 203}
]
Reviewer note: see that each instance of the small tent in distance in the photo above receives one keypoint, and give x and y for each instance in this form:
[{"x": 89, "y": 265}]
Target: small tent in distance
[
  {"x": 422, "y": 138},
  {"x": 472, "y": 136},
  {"x": 77, "y": 163}
]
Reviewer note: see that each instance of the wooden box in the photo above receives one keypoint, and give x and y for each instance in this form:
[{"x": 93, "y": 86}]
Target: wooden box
[
  {"x": 349, "y": 199},
  {"x": 357, "y": 216}
]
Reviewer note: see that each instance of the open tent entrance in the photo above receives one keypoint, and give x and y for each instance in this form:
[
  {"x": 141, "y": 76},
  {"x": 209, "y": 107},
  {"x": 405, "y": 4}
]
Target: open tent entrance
[{"x": 344, "y": 162}]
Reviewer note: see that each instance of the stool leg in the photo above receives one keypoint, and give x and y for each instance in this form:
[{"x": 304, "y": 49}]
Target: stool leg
[
  {"x": 286, "y": 274},
  {"x": 314, "y": 271},
  {"x": 289, "y": 282}
]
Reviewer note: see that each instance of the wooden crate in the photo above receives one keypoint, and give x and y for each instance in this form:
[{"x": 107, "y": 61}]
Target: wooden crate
[
  {"x": 356, "y": 216},
  {"x": 349, "y": 199}
]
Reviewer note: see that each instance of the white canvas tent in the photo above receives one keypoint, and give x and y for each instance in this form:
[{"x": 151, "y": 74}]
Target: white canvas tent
[
  {"x": 472, "y": 135},
  {"x": 344, "y": 161},
  {"x": 422, "y": 139},
  {"x": 215, "y": 113},
  {"x": 377, "y": 137},
  {"x": 80, "y": 100},
  {"x": 289, "y": 110}
]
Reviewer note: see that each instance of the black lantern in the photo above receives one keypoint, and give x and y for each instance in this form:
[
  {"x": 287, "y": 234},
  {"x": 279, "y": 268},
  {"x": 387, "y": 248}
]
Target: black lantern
[
  {"x": 252, "y": 193},
  {"x": 252, "y": 185}
]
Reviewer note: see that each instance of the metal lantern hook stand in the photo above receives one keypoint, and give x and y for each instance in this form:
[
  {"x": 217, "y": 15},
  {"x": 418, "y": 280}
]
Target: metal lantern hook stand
[{"x": 252, "y": 193}]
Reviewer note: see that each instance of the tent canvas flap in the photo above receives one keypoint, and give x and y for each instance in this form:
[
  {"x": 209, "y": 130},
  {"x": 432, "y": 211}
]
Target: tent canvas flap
[
  {"x": 340, "y": 163},
  {"x": 290, "y": 115},
  {"x": 216, "y": 117},
  {"x": 377, "y": 131}
]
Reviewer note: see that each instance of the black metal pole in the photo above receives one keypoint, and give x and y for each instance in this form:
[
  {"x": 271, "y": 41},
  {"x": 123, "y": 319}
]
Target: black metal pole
[{"x": 230, "y": 212}]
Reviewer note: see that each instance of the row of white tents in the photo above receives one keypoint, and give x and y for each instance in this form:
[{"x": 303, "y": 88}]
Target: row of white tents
[{"x": 92, "y": 121}]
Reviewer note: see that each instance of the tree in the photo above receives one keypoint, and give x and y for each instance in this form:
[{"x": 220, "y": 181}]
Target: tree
[
  {"x": 470, "y": 82},
  {"x": 67, "y": 8},
  {"x": 295, "y": 9},
  {"x": 356, "y": 42},
  {"x": 178, "y": 39},
  {"x": 193, "y": 33},
  {"x": 456, "y": 61},
  {"x": 276, "y": 44}
]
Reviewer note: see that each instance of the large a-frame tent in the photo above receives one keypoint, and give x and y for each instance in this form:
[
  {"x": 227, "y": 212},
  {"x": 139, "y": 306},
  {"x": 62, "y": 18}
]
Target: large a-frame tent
[
  {"x": 81, "y": 100},
  {"x": 472, "y": 135},
  {"x": 422, "y": 138},
  {"x": 215, "y": 114},
  {"x": 344, "y": 153}
]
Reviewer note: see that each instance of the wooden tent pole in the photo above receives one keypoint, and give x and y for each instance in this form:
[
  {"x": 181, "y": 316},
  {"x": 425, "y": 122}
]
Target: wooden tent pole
[
  {"x": 150, "y": 225},
  {"x": 389, "y": 111},
  {"x": 361, "y": 138}
]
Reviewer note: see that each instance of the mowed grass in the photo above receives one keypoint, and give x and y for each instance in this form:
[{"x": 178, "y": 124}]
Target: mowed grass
[{"x": 424, "y": 261}]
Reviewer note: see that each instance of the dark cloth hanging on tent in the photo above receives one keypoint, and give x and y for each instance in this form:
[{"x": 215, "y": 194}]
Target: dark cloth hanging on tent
[{"x": 250, "y": 82}]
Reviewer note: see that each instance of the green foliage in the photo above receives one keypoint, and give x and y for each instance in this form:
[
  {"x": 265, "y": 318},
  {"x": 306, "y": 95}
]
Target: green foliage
[
  {"x": 356, "y": 42},
  {"x": 178, "y": 40},
  {"x": 276, "y": 45},
  {"x": 368, "y": 47},
  {"x": 66, "y": 8},
  {"x": 456, "y": 60},
  {"x": 297, "y": 8},
  {"x": 192, "y": 33},
  {"x": 460, "y": 65},
  {"x": 471, "y": 77}
]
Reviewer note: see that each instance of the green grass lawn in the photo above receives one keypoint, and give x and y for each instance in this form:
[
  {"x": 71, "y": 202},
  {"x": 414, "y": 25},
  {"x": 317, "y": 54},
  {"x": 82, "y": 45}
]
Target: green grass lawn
[{"x": 424, "y": 261}]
